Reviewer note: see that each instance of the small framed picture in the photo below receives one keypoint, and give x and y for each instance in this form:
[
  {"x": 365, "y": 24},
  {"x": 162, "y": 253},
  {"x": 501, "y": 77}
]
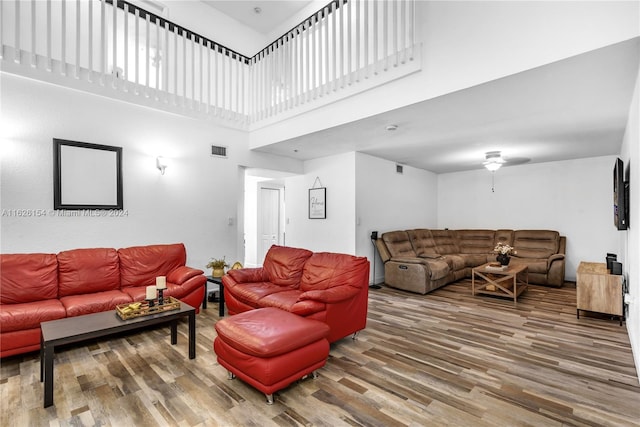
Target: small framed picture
[{"x": 318, "y": 203}]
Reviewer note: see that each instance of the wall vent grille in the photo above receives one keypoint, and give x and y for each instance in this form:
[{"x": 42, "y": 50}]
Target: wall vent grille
[
  {"x": 218, "y": 151},
  {"x": 399, "y": 169}
]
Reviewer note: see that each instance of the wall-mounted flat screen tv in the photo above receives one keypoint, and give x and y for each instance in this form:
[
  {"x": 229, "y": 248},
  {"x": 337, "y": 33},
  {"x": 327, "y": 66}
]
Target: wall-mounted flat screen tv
[{"x": 620, "y": 191}]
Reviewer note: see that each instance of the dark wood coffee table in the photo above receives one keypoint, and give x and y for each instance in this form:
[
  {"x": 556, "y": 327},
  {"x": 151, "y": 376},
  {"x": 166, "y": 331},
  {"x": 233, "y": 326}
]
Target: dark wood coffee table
[{"x": 90, "y": 326}]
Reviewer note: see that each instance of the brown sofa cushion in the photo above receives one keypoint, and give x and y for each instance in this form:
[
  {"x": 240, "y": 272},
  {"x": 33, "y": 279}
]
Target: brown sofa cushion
[
  {"x": 398, "y": 244},
  {"x": 476, "y": 241},
  {"x": 536, "y": 243},
  {"x": 445, "y": 241},
  {"x": 423, "y": 243}
]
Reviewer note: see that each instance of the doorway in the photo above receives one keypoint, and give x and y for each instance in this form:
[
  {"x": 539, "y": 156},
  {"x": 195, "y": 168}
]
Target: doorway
[
  {"x": 264, "y": 213},
  {"x": 270, "y": 230}
]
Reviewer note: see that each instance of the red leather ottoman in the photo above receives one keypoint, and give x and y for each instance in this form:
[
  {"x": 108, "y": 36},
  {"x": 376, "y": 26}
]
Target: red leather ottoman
[{"x": 270, "y": 348}]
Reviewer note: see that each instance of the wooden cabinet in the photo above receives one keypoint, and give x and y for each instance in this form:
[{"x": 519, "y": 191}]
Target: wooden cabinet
[{"x": 597, "y": 290}]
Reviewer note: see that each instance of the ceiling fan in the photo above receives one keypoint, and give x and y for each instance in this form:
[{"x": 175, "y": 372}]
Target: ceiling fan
[{"x": 494, "y": 160}]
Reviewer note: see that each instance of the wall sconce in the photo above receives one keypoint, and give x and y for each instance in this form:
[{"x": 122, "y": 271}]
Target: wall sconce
[{"x": 161, "y": 164}]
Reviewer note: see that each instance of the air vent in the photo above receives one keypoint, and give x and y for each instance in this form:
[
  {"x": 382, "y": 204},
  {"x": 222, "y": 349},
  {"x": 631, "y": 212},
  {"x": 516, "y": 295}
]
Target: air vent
[
  {"x": 399, "y": 169},
  {"x": 218, "y": 151}
]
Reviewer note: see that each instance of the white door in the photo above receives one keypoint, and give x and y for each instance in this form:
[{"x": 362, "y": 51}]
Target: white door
[{"x": 268, "y": 220}]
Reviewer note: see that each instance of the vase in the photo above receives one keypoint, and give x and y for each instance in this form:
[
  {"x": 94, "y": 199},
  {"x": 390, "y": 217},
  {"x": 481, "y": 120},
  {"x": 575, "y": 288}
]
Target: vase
[
  {"x": 218, "y": 272},
  {"x": 503, "y": 259}
]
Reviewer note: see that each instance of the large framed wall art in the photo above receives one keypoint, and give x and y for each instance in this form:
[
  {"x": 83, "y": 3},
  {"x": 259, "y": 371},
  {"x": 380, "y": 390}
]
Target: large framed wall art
[{"x": 86, "y": 176}]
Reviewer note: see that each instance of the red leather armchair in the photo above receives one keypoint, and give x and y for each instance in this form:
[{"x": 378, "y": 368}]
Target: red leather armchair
[
  {"x": 329, "y": 287},
  {"x": 36, "y": 288}
]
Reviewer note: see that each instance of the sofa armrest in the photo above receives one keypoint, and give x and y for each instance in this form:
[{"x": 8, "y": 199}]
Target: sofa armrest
[
  {"x": 553, "y": 258},
  {"x": 248, "y": 275},
  {"x": 182, "y": 274},
  {"x": 331, "y": 295}
]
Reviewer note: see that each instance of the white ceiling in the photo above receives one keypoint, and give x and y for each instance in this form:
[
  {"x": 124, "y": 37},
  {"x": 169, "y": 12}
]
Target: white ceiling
[
  {"x": 575, "y": 108},
  {"x": 272, "y": 14}
]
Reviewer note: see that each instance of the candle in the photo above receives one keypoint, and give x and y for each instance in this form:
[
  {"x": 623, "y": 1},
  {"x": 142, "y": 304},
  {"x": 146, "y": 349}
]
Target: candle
[
  {"x": 151, "y": 292},
  {"x": 161, "y": 282}
]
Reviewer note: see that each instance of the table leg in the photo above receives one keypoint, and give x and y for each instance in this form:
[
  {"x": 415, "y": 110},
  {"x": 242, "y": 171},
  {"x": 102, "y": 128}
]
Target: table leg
[
  {"x": 192, "y": 335},
  {"x": 473, "y": 283},
  {"x": 221, "y": 300},
  {"x": 174, "y": 332},
  {"x": 41, "y": 357},
  {"x": 204, "y": 300},
  {"x": 48, "y": 375}
]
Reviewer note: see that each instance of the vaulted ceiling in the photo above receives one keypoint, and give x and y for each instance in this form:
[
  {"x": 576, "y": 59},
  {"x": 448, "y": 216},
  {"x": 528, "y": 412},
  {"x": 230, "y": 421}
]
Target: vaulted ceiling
[{"x": 574, "y": 108}]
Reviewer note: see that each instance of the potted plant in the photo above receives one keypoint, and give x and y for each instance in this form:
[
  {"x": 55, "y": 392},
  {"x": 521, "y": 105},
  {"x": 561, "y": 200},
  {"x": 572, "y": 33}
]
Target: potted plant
[
  {"x": 218, "y": 266},
  {"x": 504, "y": 251}
]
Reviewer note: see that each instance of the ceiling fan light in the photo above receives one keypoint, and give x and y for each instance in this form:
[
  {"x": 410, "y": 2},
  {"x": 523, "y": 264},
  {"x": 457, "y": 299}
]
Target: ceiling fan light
[{"x": 493, "y": 166}]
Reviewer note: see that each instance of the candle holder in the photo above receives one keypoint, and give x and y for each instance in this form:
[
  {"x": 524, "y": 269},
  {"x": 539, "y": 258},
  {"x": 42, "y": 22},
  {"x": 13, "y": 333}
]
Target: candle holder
[
  {"x": 151, "y": 302},
  {"x": 160, "y": 297}
]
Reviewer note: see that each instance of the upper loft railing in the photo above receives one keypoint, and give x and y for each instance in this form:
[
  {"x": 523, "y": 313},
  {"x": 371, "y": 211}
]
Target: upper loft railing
[{"x": 113, "y": 47}]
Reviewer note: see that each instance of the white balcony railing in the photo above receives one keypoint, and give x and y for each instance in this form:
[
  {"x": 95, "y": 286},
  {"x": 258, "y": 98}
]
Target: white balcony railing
[{"x": 115, "y": 45}]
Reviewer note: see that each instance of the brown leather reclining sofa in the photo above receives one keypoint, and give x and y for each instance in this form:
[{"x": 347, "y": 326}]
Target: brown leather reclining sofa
[{"x": 422, "y": 260}]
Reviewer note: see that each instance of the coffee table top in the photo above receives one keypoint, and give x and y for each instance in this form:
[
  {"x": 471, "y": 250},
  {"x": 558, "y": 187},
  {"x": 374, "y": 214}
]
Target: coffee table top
[
  {"x": 72, "y": 329},
  {"x": 511, "y": 269}
]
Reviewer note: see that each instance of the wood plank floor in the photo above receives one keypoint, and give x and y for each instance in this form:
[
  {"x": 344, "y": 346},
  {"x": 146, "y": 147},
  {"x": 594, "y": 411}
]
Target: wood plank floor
[{"x": 446, "y": 358}]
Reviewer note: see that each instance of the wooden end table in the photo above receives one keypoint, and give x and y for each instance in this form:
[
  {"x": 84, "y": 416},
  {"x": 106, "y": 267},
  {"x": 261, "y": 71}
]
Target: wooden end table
[
  {"x": 96, "y": 325},
  {"x": 508, "y": 282}
]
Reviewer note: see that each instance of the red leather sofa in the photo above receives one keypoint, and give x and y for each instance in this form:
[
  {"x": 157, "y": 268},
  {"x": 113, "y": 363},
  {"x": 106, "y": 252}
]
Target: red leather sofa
[
  {"x": 330, "y": 287},
  {"x": 39, "y": 287}
]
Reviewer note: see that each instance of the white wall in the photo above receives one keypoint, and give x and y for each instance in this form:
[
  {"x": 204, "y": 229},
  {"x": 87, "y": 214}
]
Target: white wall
[
  {"x": 386, "y": 201},
  {"x": 492, "y": 38},
  {"x": 336, "y": 233},
  {"x": 191, "y": 203},
  {"x": 573, "y": 197},
  {"x": 630, "y": 247}
]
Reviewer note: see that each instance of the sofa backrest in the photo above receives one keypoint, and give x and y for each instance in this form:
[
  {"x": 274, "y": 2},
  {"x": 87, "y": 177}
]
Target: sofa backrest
[
  {"x": 83, "y": 271},
  {"x": 398, "y": 244},
  {"x": 503, "y": 236},
  {"x": 324, "y": 270},
  {"x": 445, "y": 241},
  {"x": 475, "y": 241},
  {"x": 28, "y": 277},
  {"x": 422, "y": 242},
  {"x": 284, "y": 264},
  {"x": 536, "y": 243},
  {"x": 140, "y": 265}
]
